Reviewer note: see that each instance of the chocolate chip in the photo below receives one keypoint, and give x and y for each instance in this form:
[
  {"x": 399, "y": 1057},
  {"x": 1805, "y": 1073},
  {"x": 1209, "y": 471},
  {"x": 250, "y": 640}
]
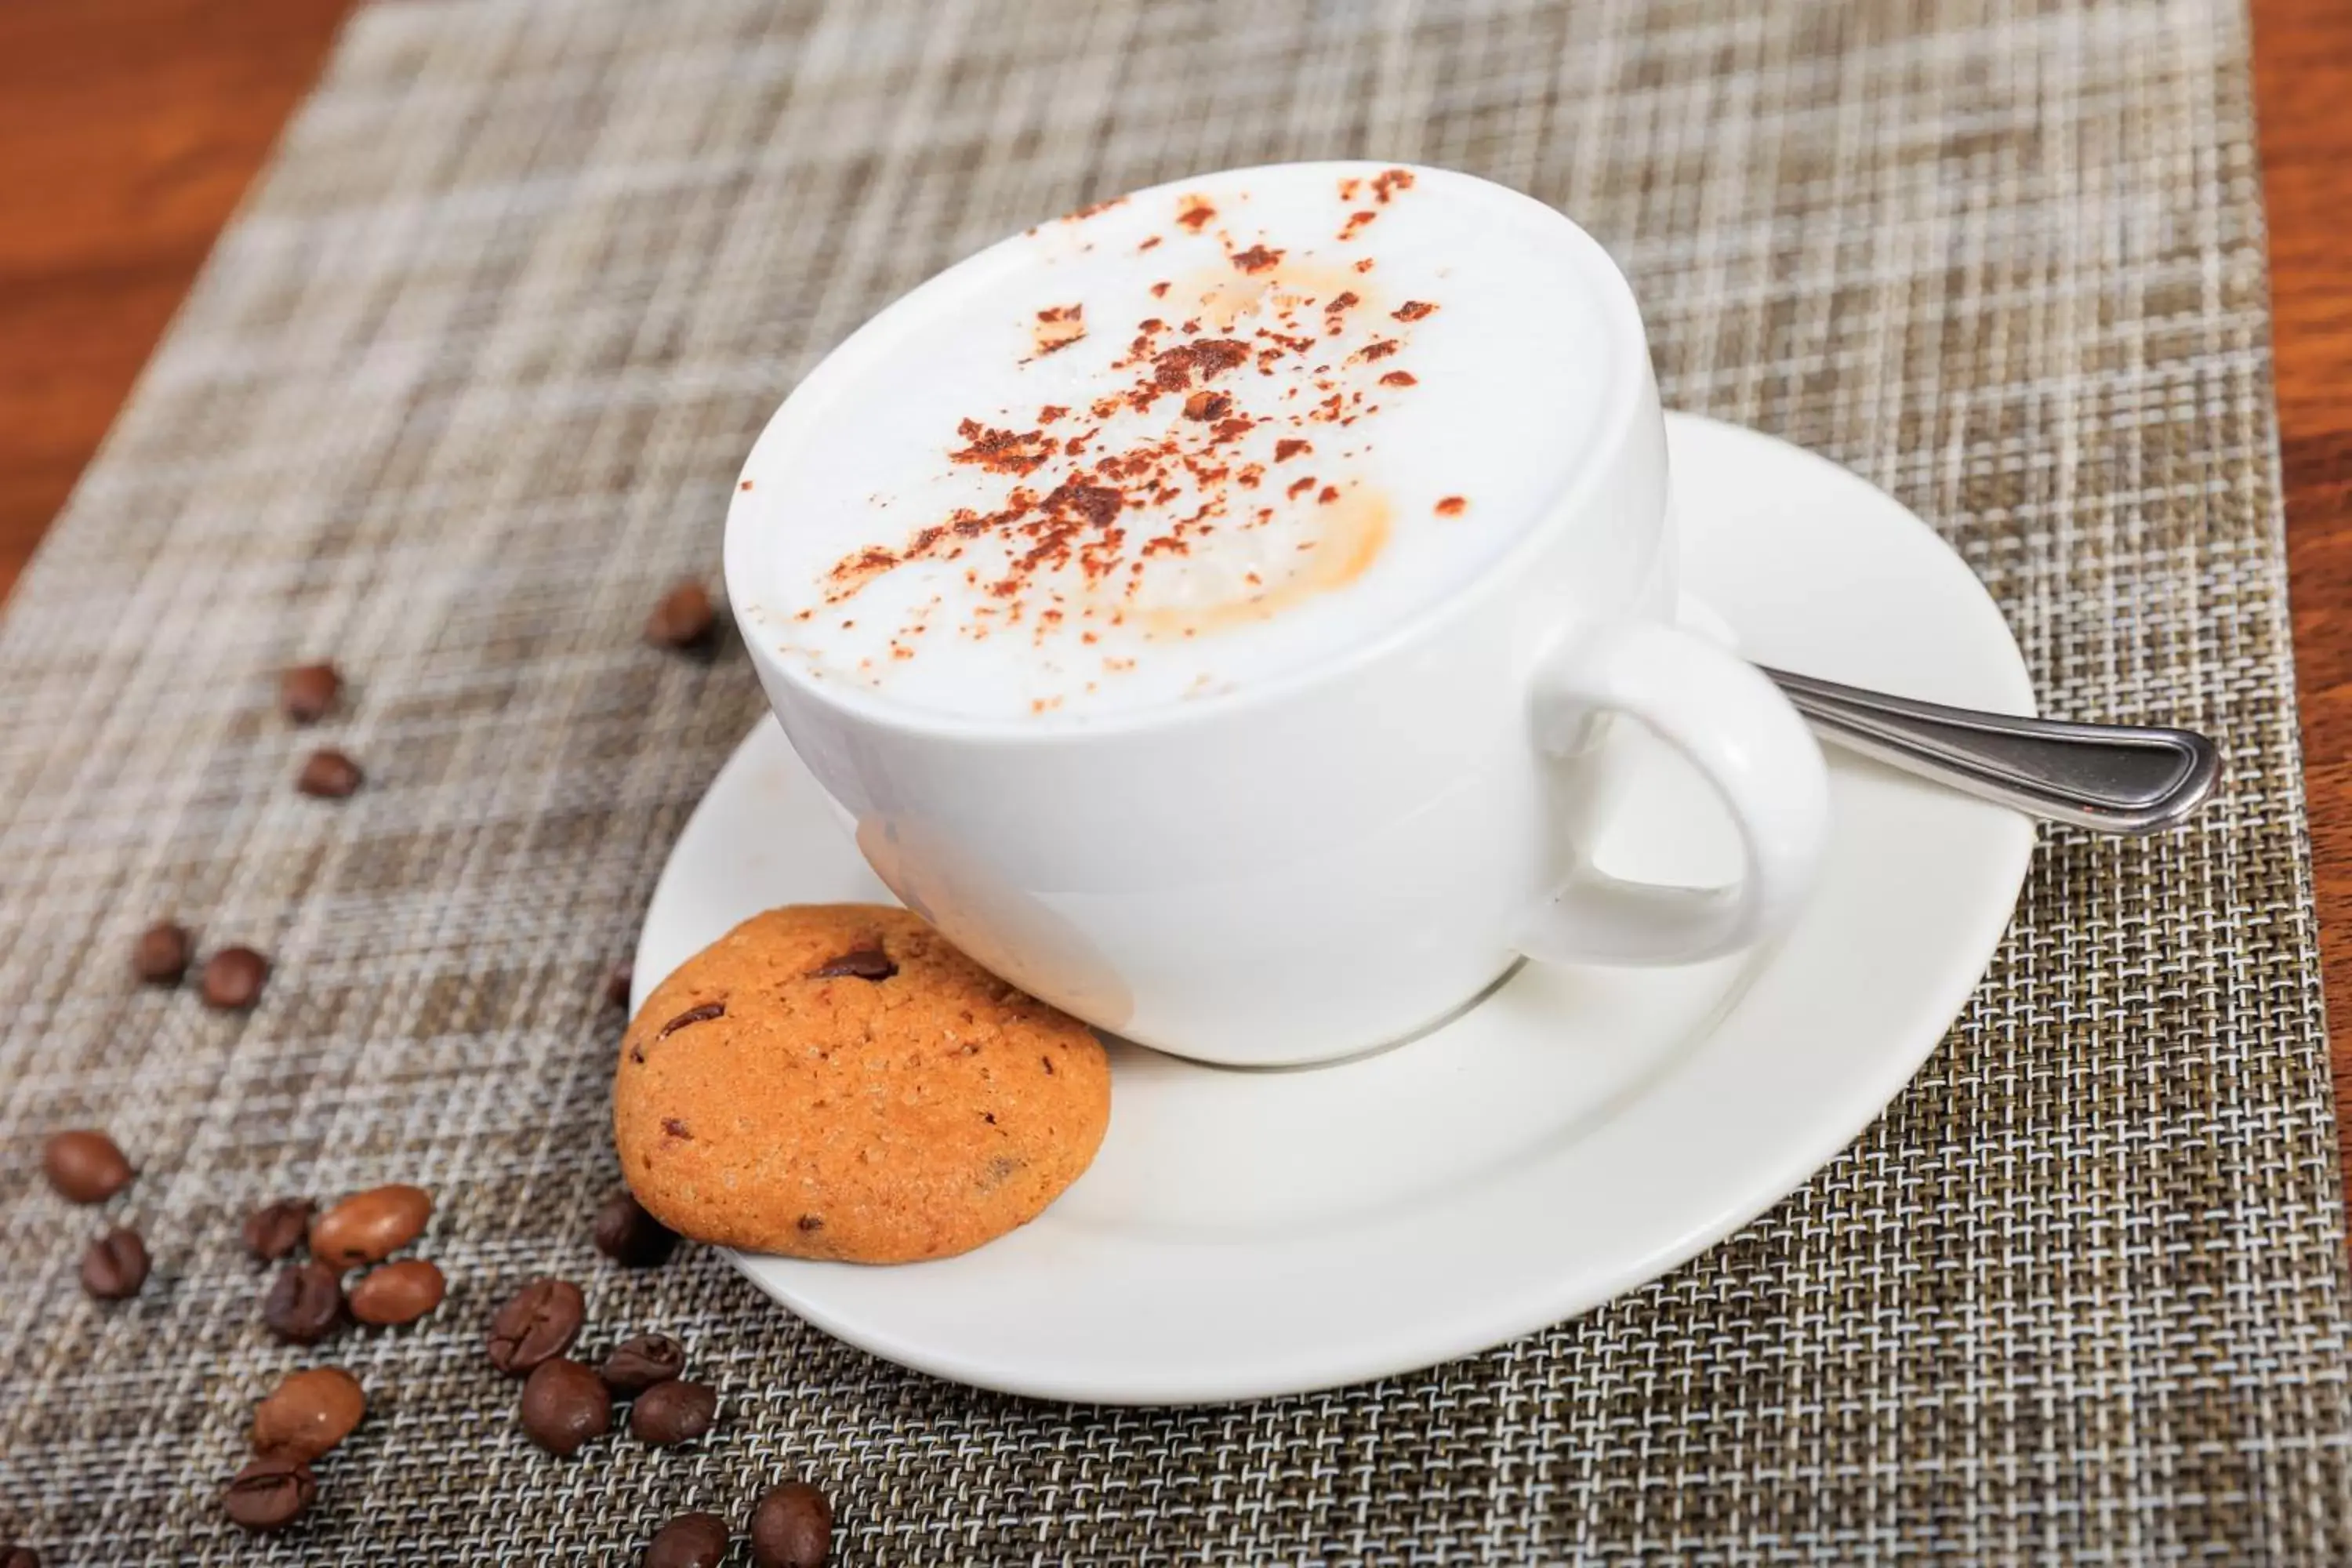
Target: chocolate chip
[
  {"x": 307, "y": 690},
  {"x": 689, "y": 1540},
  {"x": 329, "y": 774},
  {"x": 161, "y": 956},
  {"x": 808, "y": 1223},
  {"x": 269, "y": 1493},
  {"x": 536, "y": 1323},
  {"x": 308, "y": 1412},
  {"x": 677, "y": 1129},
  {"x": 638, "y": 1365},
  {"x": 115, "y": 1265},
  {"x": 564, "y": 1406},
  {"x": 398, "y": 1292},
  {"x": 370, "y": 1226},
  {"x": 304, "y": 1304},
  {"x": 792, "y": 1527},
  {"x": 691, "y": 1016},
  {"x": 85, "y": 1165},
  {"x": 616, "y": 995},
  {"x": 673, "y": 1411},
  {"x": 630, "y": 1236},
  {"x": 861, "y": 963},
  {"x": 232, "y": 978},
  {"x": 275, "y": 1229},
  {"x": 683, "y": 619}
]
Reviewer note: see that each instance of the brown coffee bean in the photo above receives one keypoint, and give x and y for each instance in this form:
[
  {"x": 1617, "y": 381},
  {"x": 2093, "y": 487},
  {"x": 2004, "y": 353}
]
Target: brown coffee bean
[
  {"x": 275, "y": 1229},
  {"x": 637, "y": 1365},
  {"x": 536, "y": 1323},
  {"x": 689, "y": 1540},
  {"x": 85, "y": 1165},
  {"x": 674, "y": 1412},
  {"x": 269, "y": 1493},
  {"x": 307, "y": 690},
  {"x": 308, "y": 1414},
  {"x": 305, "y": 1304},
  {"x": 398, "y": 1292},
  {"x": 564, "y": 1406},
  {"x": 791, "y": 1528},
  {"x": 683, "y": 619},
  {"x": 370, "y": 1226},
  {"x": 616, "y": 995},
  {"x": 161, "y": 956},
  {"x": 232, "y": 978},
  {"x": 329, "y": 774},
  {"x": 630, "y": 1236},
  {"x": 115, "y": 1267},
  {"x": 25, "y": 1557}
]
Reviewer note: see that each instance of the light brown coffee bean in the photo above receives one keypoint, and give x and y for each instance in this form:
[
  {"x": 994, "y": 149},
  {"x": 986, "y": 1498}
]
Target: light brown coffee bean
[
  {"x": 308, "y": 1412},
  {"x": 398, "y": 1292},
  {"x": 564, "y": 1406},
  {"x": 85, "y": 1165},
  {"x": 329, "y": 774},
  {"x": 683, "y": 619},
  {"x": 791, "y": 1528},
  {"x": 233, "y": 979},
  {"x": 162, "y": 955},
  {"x": 307, "y": 690},
  {"x": 370, "y": 1226}
]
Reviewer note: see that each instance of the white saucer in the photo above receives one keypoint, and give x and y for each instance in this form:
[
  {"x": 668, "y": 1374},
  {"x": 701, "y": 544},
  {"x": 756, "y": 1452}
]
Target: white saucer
[{"x": 1576, "y": 1134}]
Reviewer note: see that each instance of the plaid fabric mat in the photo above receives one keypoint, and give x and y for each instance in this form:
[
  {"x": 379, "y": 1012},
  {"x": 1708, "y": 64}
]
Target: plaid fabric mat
[{"x": 465, "y": 387}]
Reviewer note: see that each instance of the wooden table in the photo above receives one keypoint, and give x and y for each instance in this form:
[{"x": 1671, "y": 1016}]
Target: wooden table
[{"x": 130, "y": 127}]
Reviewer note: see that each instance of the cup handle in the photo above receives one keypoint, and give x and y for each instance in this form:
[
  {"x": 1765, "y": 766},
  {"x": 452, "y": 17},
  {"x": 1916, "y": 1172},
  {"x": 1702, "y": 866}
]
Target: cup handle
[{"x": 1740, "y": 733}]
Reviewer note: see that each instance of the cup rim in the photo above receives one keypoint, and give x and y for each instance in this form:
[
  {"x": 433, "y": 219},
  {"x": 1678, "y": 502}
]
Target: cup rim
[{"x": 1566, "y": 500}]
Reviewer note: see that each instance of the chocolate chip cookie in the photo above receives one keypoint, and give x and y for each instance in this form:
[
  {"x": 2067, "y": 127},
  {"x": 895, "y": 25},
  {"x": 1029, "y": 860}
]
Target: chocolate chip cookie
[{"x": 837, "y": 1081}]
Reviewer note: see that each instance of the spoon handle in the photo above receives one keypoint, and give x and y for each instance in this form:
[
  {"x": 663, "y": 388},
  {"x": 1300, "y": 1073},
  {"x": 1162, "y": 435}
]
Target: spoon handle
[{"x": 2112, "y": 778}]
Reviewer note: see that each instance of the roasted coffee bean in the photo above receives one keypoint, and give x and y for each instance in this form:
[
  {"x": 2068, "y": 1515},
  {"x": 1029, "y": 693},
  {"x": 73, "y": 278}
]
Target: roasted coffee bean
[
  {"x": 306, "y": 691},
  {"x": 275, "y": 1229},
  {"x": 791, "y": 1528},
  {"x": 630, "y": 1236},
  {"x": 85, "y": 1165},
  {"x": 329, "y": 774},
  {"x": 398, "y": 1292},
  {"x": 683, "y": 619},
  {"x": 115, "y": 1265},
  {"x": 269, "y": 1493},
  {"x": 617, "y": 982},
  {"x": 639, "y": 1364},
  {"x": 370, "y": 1226},
  {"x": 308, "y": 1414},
  {"x": 162, "y": 955},
  {"x": 689, "y": 1540},
  {"x": 565, "y": 1405},
  {"x": 674, "y": 1412},
  {"x": 25, "y": 1557},
  {"x": 232, "y": 978},
  {"x": 305, "y": 1304},
  {"x": 536, "y": 1323}
]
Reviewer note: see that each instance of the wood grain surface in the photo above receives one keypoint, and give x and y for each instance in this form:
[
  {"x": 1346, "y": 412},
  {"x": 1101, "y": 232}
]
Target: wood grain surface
[{"x": 129, "y": 128}]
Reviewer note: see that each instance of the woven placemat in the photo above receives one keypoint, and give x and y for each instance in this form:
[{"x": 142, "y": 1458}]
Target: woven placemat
[{"x": 465, "y": 387}]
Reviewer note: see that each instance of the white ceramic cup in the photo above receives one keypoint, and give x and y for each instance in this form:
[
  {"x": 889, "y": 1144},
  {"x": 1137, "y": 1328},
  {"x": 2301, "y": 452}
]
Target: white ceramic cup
[{"x": 1321, "y": 863}]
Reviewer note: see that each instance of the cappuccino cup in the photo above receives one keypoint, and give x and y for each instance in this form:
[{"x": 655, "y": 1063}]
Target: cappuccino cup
[{"x": 1214, "y": 611}]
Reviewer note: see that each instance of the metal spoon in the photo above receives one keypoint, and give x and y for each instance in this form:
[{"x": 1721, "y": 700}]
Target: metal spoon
[{"x": 2113, "y": 778}]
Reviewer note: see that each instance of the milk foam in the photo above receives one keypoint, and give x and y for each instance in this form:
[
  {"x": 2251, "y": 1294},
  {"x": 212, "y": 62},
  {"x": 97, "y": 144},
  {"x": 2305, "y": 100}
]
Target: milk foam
[{"x": 1206, "y": 436}]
